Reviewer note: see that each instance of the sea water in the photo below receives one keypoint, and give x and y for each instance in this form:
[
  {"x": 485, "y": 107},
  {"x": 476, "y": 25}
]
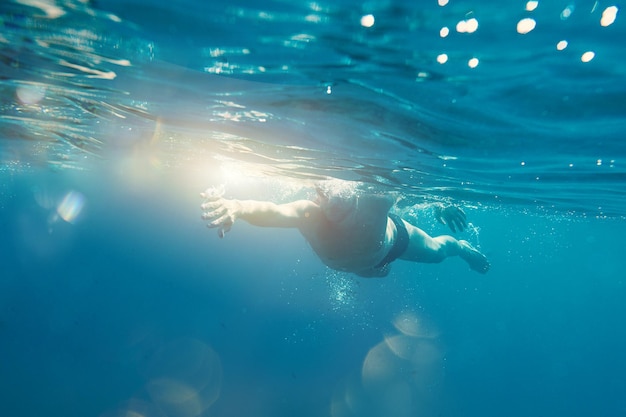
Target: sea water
[{"x": 116, "y": 300}]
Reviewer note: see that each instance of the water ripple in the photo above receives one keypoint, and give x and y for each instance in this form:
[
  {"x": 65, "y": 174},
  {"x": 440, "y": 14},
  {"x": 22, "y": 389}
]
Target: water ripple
[{"x": 312, "y": 91}]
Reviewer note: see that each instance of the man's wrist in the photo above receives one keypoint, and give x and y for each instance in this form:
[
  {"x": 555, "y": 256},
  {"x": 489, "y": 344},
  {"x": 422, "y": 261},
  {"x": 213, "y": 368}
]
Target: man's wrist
[{"x": 238, "y": 209}]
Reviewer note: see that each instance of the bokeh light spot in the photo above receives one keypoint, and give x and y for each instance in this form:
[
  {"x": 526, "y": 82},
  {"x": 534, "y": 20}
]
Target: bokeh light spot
[
  {"x": 531, "y": 5},
  {"x": 407, "y": 323},
  {"x": 71, "y": 206},
  {"x": 567, "y": 12},
  {"x": 135, "y": 408},
  {"x": 30, "y": 94},
  {"x": 525, "y": 26},
  {"x": 588, "y": 56},
  {"x": 608, "y": 16},
  {"x": 561, "y": 45},
  {"x": 473, "y": 63},
  {"x": 368, "y": 21},
  {"x": 185, "y": 378},
  {"x": 442, "y": 58},
  {"x": 467, "y": 26}
]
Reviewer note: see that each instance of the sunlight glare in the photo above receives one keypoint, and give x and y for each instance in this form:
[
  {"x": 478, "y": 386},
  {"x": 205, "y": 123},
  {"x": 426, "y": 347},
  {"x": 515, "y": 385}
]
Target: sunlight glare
[
  {"x": 561, "y": 45},
  {"x": 233, "y": 172},
  {"x": 473, "y": 63},
  {"x": 367, "y": 21},
  {"x": 526, "y": 25},
  {"x": 588, "y": 56},
  {"x": 444, "y": 31},
  {"x": 531, "y": 5},
  {"x": 442, "y": 58},
  {"x": 49, "y": 7},
  {"x": 467, "y": 26},
  {"x": 313, "y": 18},
  {"x": 91, "y": 72},
  {"x": 608, "y": 16},
  {"x": 567, "y": 12}
]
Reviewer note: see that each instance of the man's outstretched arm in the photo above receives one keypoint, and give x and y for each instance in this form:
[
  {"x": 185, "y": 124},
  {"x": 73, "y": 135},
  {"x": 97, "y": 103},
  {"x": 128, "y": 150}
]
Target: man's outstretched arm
[{"x": 222, "y": 213}]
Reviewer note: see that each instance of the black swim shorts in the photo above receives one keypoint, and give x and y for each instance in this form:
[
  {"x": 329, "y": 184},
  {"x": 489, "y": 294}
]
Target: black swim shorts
[{"x": 399, "y": 245}]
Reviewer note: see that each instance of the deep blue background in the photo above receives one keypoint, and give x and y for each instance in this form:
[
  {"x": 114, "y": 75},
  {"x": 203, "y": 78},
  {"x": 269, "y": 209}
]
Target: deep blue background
[{"x": 85, "y": 307}]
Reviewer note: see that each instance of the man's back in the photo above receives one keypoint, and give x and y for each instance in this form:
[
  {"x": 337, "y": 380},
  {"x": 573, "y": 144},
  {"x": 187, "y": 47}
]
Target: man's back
[{"x": 349, "y": 233}]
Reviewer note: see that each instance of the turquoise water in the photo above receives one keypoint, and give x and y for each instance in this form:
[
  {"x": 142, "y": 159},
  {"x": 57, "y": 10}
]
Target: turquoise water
[{"x": 115, "y": 300}]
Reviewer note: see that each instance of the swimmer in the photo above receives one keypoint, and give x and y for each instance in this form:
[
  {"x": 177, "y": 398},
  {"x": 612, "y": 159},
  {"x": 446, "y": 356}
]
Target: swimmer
[{"x": 349, "y": 232}]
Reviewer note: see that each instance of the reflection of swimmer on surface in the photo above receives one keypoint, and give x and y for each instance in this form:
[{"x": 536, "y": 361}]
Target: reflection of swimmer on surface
[{"x": 351, "y": 233}]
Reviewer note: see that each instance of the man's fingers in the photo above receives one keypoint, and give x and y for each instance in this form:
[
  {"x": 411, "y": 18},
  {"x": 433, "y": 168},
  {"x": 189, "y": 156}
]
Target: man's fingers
[
  {"x": 214, "y": 215},
  {"x": 222, "y": 230},
  {"x": 460, "y": 225},
  {"x": 455, "y": 218},
  {"x": 210, "y": 196},
  {"x": 215, "y": 210},
  {"x": 211, "y": 204},
  {"x": 223, "y": 222},
  {"x": 213, "y": 193}
]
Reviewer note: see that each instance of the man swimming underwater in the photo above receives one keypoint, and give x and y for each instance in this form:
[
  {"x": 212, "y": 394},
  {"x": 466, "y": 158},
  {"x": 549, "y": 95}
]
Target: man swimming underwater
[{"x": 350, "y": 232}]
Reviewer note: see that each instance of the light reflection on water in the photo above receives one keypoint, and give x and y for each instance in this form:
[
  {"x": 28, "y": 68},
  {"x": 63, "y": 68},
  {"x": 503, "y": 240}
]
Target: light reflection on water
[{"x": 379, "y": 94}]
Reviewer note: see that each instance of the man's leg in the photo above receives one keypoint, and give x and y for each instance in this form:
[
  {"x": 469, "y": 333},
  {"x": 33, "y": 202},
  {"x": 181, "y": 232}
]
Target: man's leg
[{"x": 427, "y": 249}]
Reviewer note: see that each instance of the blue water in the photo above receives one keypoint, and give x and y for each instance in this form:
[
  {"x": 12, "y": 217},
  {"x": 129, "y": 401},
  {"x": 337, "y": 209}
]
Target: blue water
[{"x": 115, "y": 300}]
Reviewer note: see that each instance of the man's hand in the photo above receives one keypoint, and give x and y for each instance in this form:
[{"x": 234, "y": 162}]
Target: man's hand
[
  {"x": 220, "y": 212},
  {"x": 452, "y": 216}
]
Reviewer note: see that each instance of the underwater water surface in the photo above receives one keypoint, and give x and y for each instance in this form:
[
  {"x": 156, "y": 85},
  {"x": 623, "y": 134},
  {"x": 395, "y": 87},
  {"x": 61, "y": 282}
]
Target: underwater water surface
[{"x": 116, "y": 300}]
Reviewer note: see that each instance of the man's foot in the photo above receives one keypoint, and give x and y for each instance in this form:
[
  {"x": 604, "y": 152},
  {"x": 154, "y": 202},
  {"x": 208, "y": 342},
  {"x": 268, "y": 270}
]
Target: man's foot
[{"x": 476, "y": 260}]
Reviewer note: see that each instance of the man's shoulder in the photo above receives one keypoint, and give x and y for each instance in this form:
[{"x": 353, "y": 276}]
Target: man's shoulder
[{"x": 304, "y": 206}]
